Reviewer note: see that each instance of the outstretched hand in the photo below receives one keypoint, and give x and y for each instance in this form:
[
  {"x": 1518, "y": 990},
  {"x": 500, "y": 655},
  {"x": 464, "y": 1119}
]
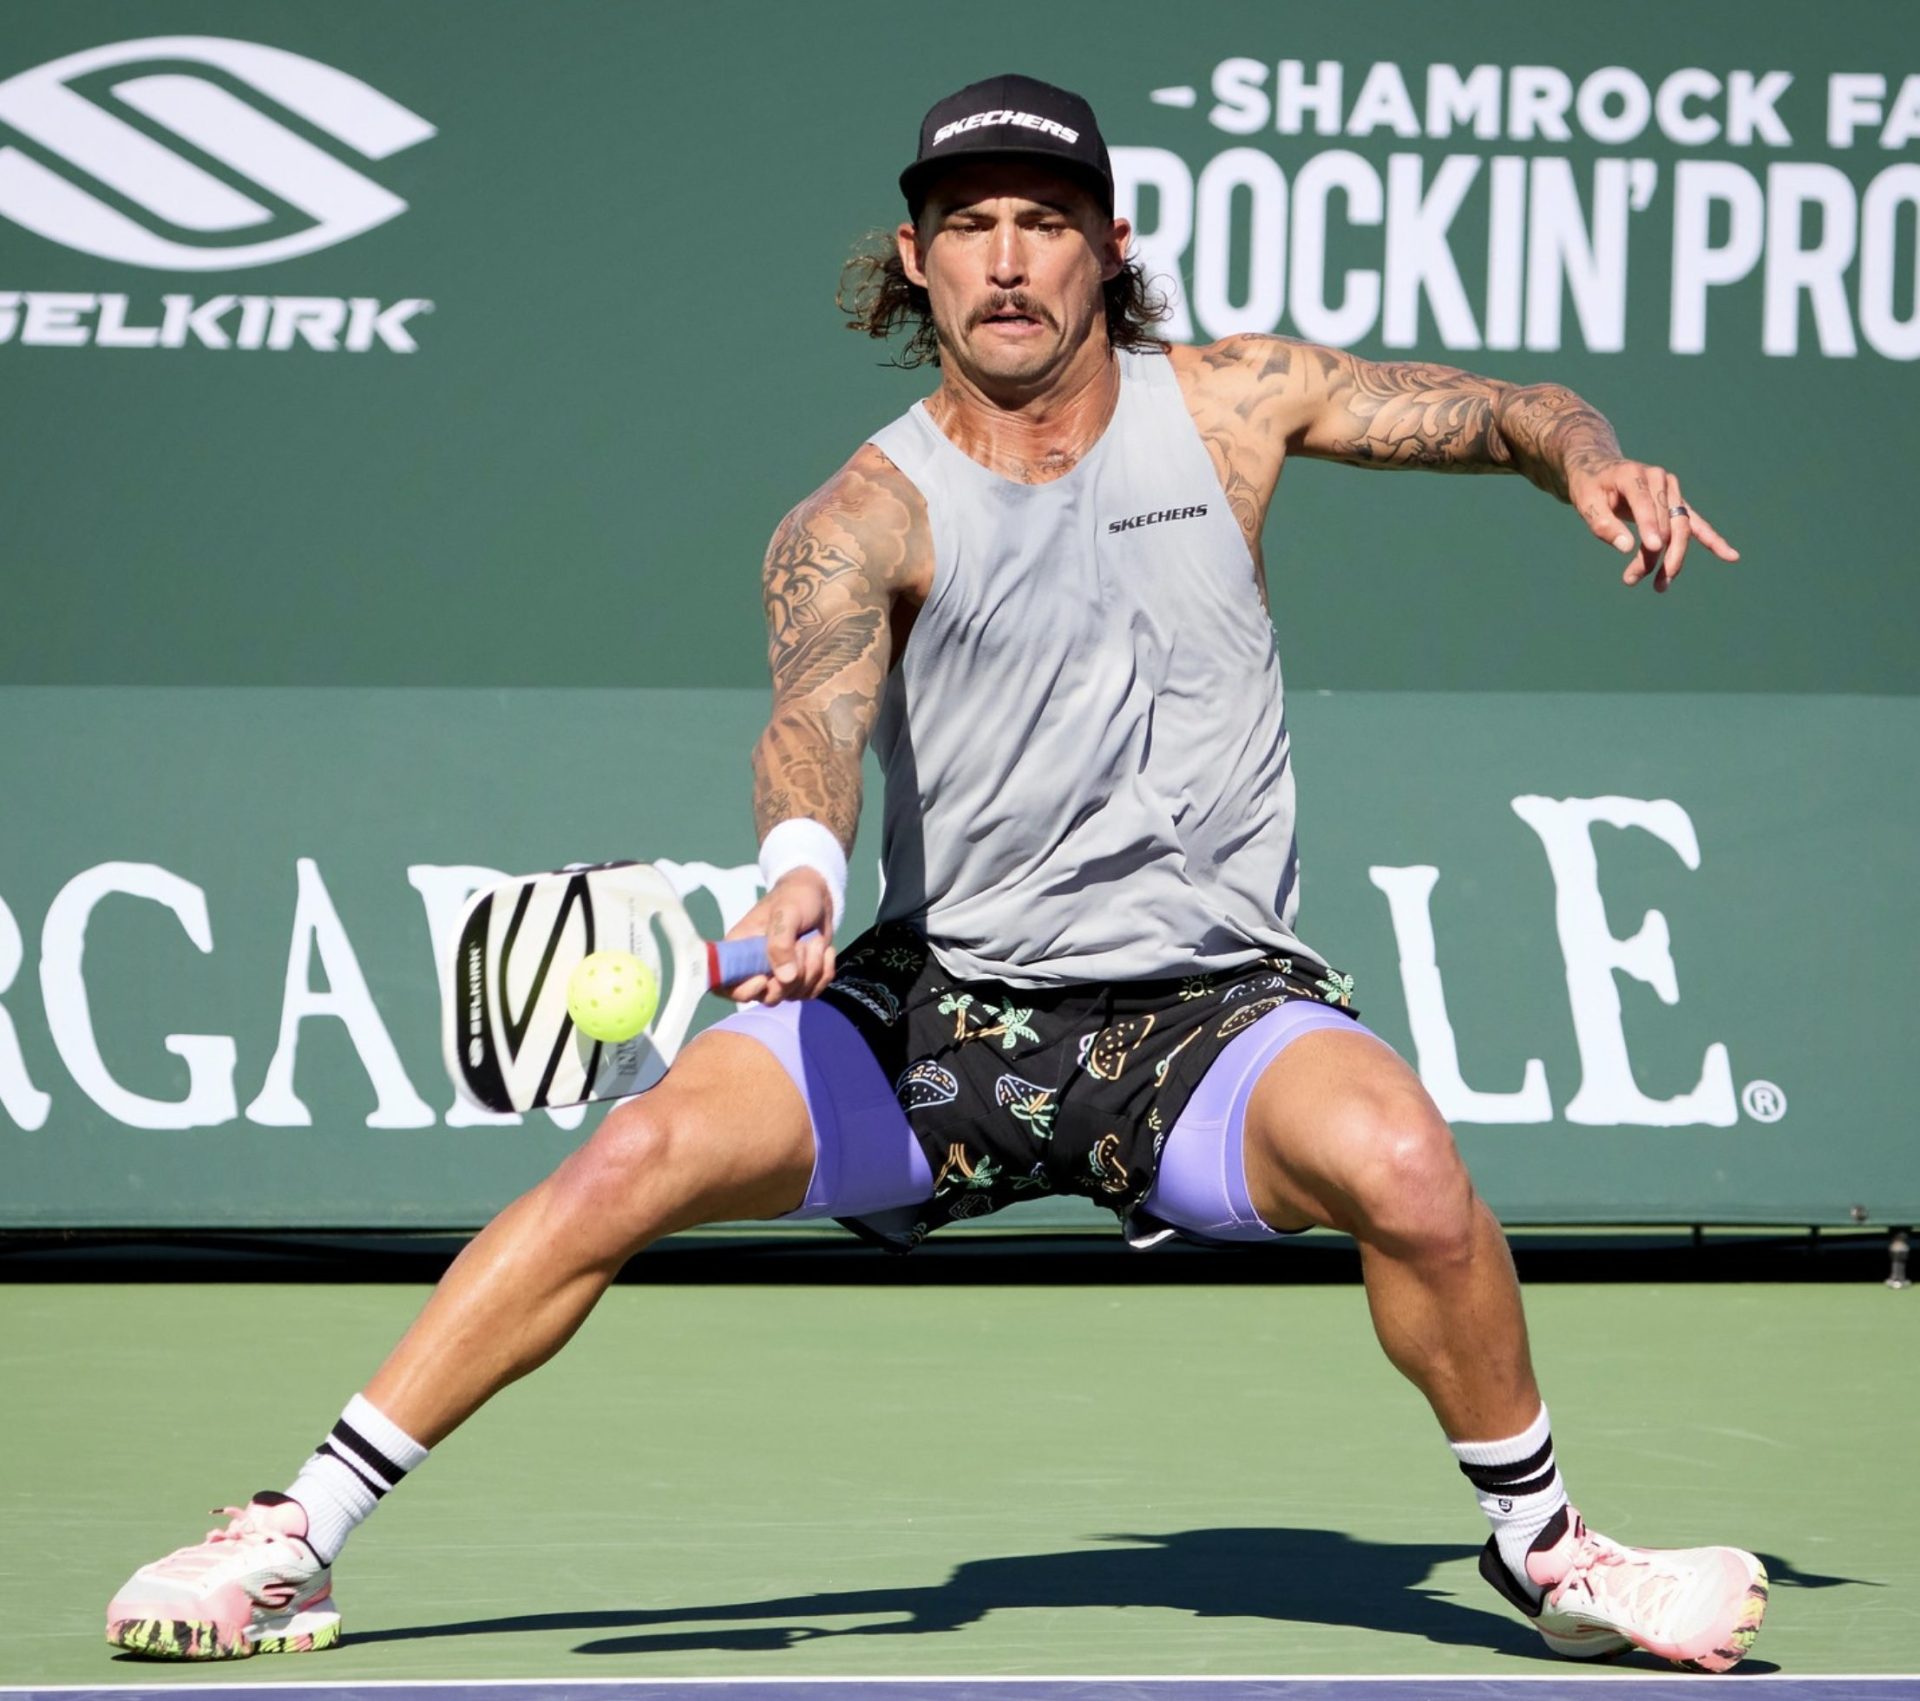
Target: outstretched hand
[
  {"x": 1617, "y": 493},
  {"x": 799, "y": 904}
]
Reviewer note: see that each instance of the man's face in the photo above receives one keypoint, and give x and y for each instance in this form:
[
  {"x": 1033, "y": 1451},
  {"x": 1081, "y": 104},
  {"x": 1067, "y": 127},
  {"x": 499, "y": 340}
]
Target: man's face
[{"x": 1012, "y": 257}]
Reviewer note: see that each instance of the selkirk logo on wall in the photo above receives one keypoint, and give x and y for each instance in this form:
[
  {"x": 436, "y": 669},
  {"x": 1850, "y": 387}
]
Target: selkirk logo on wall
[{"x": 76, "y": 172}]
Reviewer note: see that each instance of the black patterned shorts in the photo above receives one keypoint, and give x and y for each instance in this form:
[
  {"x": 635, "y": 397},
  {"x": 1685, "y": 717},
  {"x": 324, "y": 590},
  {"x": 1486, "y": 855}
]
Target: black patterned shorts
[{"x": 1019, "y": 1092}]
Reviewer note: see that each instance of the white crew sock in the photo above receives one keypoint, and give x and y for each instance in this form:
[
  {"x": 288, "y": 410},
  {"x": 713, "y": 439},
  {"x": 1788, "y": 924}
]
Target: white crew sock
[
  {"x": 1519, "y": 1488},
  {"x": 364, "y": 1455}
]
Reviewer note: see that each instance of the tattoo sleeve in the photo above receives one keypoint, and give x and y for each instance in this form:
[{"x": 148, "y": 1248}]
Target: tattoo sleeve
[
  {"x": 828, "y": 586},
  {"x": 1236, "y": 402},
  {"x": 1409, "y": 414}
]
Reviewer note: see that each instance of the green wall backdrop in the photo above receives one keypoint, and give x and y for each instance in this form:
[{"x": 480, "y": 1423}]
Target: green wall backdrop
[{"x": 388, "y": 463}]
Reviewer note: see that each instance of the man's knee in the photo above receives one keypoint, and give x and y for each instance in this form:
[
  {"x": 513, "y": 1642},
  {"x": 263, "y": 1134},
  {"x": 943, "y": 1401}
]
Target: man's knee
[
  {"x": 633, "y": 1177},
  {"x": 1381, "y": 1164},
  {"x": 637, "y": 1142},
  {"x": 725, "y": 1137},
  {"x": 1410, "y": 1187}
]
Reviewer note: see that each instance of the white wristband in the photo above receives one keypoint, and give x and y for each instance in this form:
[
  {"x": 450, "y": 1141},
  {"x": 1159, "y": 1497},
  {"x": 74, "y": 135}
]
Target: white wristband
[{"x": 805, "y": 843}]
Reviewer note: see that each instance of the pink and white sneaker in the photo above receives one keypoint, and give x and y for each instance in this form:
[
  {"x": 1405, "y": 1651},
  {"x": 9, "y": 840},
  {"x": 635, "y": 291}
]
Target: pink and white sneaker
[
  {"x": 255, "y": 1587},
  {"x": 1697, "y": 1606}
]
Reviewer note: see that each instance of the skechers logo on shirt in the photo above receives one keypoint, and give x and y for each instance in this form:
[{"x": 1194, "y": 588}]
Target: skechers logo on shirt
[{"x": 1156, "y": 517}]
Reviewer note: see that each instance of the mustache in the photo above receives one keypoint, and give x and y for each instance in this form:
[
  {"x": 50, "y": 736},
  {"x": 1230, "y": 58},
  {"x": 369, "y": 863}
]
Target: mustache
[{"x": 1013, "y": 301}]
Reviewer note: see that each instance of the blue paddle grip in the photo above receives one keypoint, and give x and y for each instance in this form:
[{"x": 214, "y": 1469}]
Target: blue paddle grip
[{"x": 736, "y": 960}]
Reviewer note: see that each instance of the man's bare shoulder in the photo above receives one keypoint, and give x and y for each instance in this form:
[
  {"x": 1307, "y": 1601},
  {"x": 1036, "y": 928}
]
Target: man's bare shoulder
[
  {"x": 1251, "y": 371},
  {"x": 869, "y": 516}
]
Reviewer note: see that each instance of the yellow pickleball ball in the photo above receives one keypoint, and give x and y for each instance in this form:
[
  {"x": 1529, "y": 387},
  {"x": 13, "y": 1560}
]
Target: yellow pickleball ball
[{"x": 612, "y": 995}]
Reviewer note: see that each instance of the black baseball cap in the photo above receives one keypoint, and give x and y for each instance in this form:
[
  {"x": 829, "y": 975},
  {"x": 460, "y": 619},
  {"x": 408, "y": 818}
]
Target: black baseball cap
[{"x": 1010, "y": 117}]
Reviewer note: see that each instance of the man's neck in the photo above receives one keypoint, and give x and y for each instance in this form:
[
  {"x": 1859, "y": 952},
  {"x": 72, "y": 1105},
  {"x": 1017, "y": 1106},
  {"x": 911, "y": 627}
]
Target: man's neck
[{"x": 1037, "y": 437}]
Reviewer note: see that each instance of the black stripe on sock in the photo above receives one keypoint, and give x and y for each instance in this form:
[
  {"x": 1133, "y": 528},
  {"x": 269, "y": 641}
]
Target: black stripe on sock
[
  {"x": 1499, "y": 1476},
  {"x": 377, "y": 1489},
  {"x": 376, "y": 1460},
  {"x": 1533, "y": 1485}
]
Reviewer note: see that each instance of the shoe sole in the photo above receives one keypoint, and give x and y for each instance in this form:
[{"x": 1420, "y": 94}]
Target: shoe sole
[
  {"x": 1746, "y": 1626},
  {"x": 1595, "y": 1644},
  {"x": 299, "y": 1632}
]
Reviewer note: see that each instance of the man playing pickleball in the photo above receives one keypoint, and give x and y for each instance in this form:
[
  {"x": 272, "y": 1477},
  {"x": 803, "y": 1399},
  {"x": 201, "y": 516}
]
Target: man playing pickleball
[{"x": 1039, "y": 595}]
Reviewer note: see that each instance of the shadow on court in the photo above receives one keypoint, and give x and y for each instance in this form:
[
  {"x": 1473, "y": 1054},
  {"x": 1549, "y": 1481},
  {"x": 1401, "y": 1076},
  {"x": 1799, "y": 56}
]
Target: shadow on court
[
  {"x": 1288, "y": 1576},
  {"x": 1092, "y": 1257}
]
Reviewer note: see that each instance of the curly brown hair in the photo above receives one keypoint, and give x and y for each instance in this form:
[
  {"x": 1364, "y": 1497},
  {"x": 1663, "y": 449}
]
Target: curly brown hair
[{"x": 877, "y": 298}]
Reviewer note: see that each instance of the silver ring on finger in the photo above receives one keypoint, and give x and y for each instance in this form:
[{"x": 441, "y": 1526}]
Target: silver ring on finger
[{"x": 1678, "y": 509}]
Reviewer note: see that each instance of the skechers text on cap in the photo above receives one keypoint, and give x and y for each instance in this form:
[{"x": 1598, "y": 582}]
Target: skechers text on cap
[{"x": 1010, "y": 116}]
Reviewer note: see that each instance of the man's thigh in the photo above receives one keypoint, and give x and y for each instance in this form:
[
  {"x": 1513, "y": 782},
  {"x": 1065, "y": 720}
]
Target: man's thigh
[
  {"x": 723, "y": 1137},
  {"x": 1334, "y": 1121},
  {"x": 841, "y": 1142}
]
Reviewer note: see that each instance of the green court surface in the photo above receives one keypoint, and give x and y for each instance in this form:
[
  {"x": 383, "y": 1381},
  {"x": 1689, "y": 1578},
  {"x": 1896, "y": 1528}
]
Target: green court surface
[{"x": 972, "y": 1478}]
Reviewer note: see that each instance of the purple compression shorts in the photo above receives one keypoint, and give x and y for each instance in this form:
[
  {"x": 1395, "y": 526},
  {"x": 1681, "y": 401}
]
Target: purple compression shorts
[{"x": 868, "y": 1164}]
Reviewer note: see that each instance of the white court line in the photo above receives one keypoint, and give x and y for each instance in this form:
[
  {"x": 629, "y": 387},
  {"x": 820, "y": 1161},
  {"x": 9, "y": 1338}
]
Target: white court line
[{"x": 1449, "y": 1680}]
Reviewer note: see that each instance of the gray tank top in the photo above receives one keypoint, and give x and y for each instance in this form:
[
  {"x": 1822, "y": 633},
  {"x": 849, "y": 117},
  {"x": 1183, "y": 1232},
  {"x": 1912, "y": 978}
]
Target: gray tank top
[{"x": 1084, "y": 743}]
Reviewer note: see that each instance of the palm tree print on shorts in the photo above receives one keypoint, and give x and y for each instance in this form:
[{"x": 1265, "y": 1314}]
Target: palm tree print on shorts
[
  {"x": 1336, "y": 988},
  {"x": 956, "y": 1005},
  {"x": 962, "y": 1172},
  {"x": 1011, "y": 1028}
]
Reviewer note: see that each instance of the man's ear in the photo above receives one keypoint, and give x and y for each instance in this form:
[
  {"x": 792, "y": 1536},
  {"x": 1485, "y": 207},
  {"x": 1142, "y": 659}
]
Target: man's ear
[
  {"x": 1114, "y": 256},
  {"x": 907, "y": 240}
]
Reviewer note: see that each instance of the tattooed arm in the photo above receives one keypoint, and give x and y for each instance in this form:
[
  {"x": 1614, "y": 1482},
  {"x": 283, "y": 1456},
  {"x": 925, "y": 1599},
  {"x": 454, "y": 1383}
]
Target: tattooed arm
[
  {"x": 1329, "y": 404},
  {"x": 842, "y": 568},
  {"x": 1410, "y": 414}
]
